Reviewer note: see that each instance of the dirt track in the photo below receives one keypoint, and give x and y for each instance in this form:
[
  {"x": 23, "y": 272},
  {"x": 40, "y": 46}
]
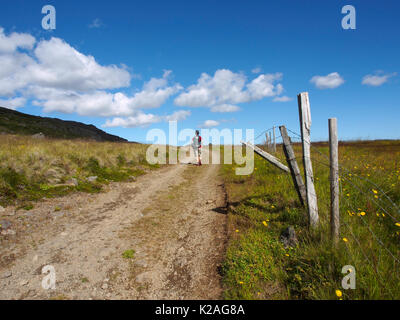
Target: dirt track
[{"x": 172, "y": 218}]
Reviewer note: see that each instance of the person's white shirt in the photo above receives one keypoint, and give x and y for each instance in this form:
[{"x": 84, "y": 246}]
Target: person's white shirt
[{"x": 196, "y": 142}]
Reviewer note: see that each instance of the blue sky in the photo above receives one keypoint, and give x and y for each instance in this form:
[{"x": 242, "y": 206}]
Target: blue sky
[{"x": 252, "y": 52}]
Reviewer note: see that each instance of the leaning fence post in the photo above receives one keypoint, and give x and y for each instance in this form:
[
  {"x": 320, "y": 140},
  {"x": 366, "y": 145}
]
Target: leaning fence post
[
  {"x": 269, "y": 157},
  {"x": 305, "y": 125},
  {"x": 293, "y": 166},
  {"x": 334, "y": 179}
]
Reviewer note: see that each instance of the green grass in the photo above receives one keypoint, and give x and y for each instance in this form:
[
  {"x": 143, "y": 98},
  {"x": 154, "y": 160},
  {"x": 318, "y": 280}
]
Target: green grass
[
  {"x": 128, "y": 254},
  {"x": 257, "y": 266},
  {"x": 31, "y": 169}
]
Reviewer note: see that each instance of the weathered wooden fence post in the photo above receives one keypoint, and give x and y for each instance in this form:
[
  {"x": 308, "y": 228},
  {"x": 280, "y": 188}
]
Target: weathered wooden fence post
[
  {"x": 266, "y": 140},
  {"x": 334, "y": 179},
  {"x": 270, "y": 142},
  {"x": 305, "y": 125},
  {"x": 293, "y": 166},
  {"x": 274, "y": 137}
]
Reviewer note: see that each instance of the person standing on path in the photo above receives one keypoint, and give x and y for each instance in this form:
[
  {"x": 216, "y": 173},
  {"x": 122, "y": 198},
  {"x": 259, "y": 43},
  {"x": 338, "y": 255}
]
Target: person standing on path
[{"x": 196, "y": 144}]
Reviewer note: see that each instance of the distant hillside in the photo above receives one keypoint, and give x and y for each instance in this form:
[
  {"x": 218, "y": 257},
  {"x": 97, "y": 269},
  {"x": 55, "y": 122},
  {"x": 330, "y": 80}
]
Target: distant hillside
[{"x": 21, "y": 123}]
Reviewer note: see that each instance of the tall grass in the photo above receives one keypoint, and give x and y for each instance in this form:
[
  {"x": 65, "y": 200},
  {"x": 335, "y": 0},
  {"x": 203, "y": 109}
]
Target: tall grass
[
  {"x": 263, "y": 204},
  {"x": 34, "y": 168}
]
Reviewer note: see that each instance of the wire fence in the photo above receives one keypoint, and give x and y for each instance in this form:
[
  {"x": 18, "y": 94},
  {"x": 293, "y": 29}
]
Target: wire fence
[{"x": 367, "y": 189}]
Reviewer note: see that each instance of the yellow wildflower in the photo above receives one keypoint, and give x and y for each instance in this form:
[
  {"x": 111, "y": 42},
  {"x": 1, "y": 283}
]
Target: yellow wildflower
[
  {"x": 345, "y": 239},
  {"x": 362, "y": 213},
  {"x": 397, "y": 224},
  {"x": 265, "y": 223},
  {"x": 374, "y": 191},
  {"x": 338, "y": 293}
]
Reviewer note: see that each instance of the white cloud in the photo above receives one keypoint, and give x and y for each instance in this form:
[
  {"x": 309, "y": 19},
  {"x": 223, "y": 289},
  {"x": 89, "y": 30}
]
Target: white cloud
[
  {"x": 61, "y": 66},
  {"x": 263, "y": 86},
  {"x": 9, "y": 44},
  {"x": 225, "y": 108},
  {"x": 209, "y": 124},
  {"x": 57, "y": 77},
  {"x": 102, "y": 103},
  {"x": 228, "y": 88},
  {"x": 12, "y": 103},
  {"x": 13, "y": 72},
  {"x": 55, "y": 64},
  {"x": 178, "y": 115},
  {"x": 97, "y": 23},
  {"x": 256, "y": 70},
  {"x": 282, "y": 99},
  {"x": 143, "y": 120},
  {"x": 330, "y": 81},
  {"x": 376, "y": 80},
  {"x": 140, "y": 120}
]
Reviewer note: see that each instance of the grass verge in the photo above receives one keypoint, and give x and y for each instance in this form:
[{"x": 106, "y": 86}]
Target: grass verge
[
  {"x": 263, "y": 204},
  {"x": 31, "y": 169}
]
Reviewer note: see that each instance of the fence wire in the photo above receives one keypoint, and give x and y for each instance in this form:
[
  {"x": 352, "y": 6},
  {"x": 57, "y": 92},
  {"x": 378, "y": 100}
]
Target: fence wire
[{"x": 360, "y": 186}]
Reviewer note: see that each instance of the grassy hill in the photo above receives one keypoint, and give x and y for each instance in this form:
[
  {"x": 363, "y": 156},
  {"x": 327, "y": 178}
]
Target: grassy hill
[{"x": 14, "y": 122}]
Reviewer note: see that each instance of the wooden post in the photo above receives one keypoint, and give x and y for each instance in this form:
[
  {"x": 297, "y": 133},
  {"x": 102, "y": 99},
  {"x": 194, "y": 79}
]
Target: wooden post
[
  {"x": 274, "y": 142},
  {"x": 294, "y": 168},
  {"x": 275, "y": 161},
  {"x": 305, "y": 125},
  {"x": 270, "y": 141},
  {"x": 266, "y": 140},
  {"x": 334, "y": 179}
]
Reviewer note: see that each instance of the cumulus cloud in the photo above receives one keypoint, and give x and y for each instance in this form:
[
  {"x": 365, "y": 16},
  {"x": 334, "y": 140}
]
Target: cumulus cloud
[
  {"x": 11, "y": 43},
  {"x": 263, "y": 86},
  {"x": 330, "y": 81},
  {"x": 54, "y": 64},
  {"x": 228, "y": 88},
  {"x": 377, "y": 79},
  {"x": 282, "y": 99},
  {"x": 144, "y": 120},
  {"x": 57, "y": 77},
  {"x": 209, "y": 124},
  {"x": 178, "y": 115},
  {"x": 100, "y": 103},
  {"x": 61, "y": 66},
  {"x": 12, "y": 103},
  {"x": 140, "y": 120}
]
